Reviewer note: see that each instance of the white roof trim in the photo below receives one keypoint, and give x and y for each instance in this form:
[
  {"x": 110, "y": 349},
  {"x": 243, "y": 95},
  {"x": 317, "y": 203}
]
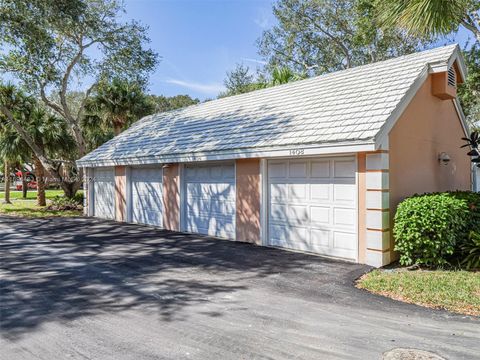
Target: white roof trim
[
  {"x": 461, "y": 115},
  {"x": 443, "y": 66},
  {"x": 286, "y": 151}
]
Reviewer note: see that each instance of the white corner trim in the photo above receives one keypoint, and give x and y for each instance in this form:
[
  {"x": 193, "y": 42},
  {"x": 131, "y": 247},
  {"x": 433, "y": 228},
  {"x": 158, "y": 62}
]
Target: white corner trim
[
  {"x": 438, "y": 67},
  {"x": 461, "y": 115},
  {"x": 462, "y": 67}
]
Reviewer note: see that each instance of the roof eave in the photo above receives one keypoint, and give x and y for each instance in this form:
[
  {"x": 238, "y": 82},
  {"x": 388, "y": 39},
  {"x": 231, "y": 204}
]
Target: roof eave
[{"x": 271, "y": 152}]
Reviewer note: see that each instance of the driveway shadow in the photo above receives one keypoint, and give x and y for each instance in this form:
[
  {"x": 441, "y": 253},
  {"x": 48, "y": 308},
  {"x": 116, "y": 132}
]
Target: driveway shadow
[{"x": 62, "y": 269}]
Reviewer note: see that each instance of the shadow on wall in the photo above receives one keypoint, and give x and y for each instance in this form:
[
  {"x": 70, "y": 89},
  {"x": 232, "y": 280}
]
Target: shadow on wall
[{"x": 62, "y": 269}]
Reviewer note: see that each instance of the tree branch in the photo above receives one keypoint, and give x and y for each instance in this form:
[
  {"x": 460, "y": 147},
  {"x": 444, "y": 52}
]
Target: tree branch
[
  {"x": 469, "y": 24},
  {"x": 77, "y": 132},
  {"x": 84, "y": 101},
  {"x": 340, "y": 44},
  {"x": 49, "y": 102}
]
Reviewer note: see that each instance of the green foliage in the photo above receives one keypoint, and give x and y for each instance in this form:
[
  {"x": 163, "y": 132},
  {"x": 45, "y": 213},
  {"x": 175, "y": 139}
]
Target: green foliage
[
  {"x": 45, "y": 37},
  {"x": 470, "y": 250},
  {"x": 241, "y": 80},
  {"x": 50, "y": 47},
  {"x": 47, "y": 131},
  {"x": 473, "y": 203},
  {"x": 163, "y": 103},
  {"x": 116, "y": 104},
  {"x": 430, "y": 17},
  {"x": 427, "y": 227},
  {"x": 469, "y": 91},
  {"x": 320, "y": 36},
  {"x": 62, "y": 203}
]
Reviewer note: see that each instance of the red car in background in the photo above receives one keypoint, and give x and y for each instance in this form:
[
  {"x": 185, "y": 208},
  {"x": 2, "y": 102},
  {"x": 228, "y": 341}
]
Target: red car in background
[{"x": 31, "y": 180}]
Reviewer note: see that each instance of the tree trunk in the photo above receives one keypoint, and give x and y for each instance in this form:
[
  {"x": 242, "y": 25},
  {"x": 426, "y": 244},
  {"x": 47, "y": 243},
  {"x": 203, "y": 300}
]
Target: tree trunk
[
  {"x": 117, "y": 129},
  {"x": 70, "y": 188},
  {"x": 24, "y": 182},
  {"x": 40, "y": 174},
  {"x": 7, "y": 183}
]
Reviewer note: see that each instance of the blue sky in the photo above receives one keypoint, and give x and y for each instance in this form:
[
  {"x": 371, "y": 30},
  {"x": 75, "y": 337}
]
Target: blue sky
[{"x": 200, "y": 40}]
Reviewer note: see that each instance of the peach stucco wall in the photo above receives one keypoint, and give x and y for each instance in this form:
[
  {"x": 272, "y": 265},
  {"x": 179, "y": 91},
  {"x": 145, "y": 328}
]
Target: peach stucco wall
[
  {"x": 428, "y": 127},
  {"x": 362, "y": 207},
  {"x": 120, "y": 193},
  {"x": 248, "y": 189},
  {"x": 171, "y": 197}
]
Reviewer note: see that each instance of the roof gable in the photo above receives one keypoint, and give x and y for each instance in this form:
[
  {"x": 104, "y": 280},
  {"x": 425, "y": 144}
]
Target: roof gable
[{"x": 344, "y": 107}]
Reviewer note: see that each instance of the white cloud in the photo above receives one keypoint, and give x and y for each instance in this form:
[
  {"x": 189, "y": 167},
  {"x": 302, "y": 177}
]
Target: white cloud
[
  {"x": 208, "y": 89},
  {"x": 256, "y": 61}
]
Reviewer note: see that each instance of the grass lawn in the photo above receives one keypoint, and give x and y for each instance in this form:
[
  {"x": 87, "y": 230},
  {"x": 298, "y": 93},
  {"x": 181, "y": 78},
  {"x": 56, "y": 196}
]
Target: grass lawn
[
  {"x": 29, "y": 208},
  {"x": 456, "y": 291},
  {"x": 31, "y": 194}
]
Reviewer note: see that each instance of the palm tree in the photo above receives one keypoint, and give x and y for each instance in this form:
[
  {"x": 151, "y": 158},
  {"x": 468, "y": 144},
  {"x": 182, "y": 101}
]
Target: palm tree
[
  {"x": 116, "y": 105},
  {"x": 283, "y": 75},
  {"x": 47, "y": 132},
  {"x": 431, "y": 17}
]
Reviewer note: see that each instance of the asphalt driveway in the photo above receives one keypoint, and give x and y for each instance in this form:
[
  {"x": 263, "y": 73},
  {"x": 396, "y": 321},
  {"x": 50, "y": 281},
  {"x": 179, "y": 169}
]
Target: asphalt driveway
[{"x": 89, "y": 289}]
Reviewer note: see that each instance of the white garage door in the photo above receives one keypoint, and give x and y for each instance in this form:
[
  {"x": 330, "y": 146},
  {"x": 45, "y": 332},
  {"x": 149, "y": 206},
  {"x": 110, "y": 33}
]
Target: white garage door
[
  {"x": 312, "y": 205},
  {"x": 209, "y": 202},
  {"x": 477, "y": 180},
  {"x": 147, "y": 198},
  {"x": 104, "y": 193}
]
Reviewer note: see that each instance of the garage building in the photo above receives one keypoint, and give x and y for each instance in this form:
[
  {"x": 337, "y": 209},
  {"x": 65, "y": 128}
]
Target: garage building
[{"x": 317, "y": 165}]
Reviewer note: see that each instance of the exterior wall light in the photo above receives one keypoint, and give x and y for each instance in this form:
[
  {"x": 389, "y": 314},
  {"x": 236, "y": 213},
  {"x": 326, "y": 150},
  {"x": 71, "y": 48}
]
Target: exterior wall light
[{"x": 443, "y": 158}]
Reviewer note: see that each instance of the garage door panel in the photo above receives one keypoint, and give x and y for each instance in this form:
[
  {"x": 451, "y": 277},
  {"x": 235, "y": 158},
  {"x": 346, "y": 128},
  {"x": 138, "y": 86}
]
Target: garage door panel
[
  {"x": 147, "y": 195},
  {"x": 344, "y": 217},
  {"x": 298, "y": 169},
  {"x": 282, "y": 235},
  {"x": 278, "y": 191},
  {"x": 219, "y": 206},
  {"x": 104, "y": 194},
  {"x": 207, "y": 191},
  {"x": 320, "y": 238},
  {"x": 320, "y": 215},
  {"x": 343, "y": 169},
  {"x": 210, "y": 199},
  {"x": 320, "y": 169},
  {"x": 320, "y": 192},
  {"x": 297, "y": 192},
  {"x": 298, "y": 214},
  {"x": 279, "y": 213},
  {"x": 312, "y": 205},
  {"x": 343, "y": 240},
  {"x": 277, "y": 170},
  {"x": 344, "y": 193}
]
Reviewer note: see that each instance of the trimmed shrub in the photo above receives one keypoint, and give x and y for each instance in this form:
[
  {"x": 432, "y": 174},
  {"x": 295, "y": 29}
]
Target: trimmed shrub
[
  {"x": 62, "y": 203},
  {"x": 470, "y": 252},
  {"x": 427, "y": 228},
  {"x": 473, "y": 203}
]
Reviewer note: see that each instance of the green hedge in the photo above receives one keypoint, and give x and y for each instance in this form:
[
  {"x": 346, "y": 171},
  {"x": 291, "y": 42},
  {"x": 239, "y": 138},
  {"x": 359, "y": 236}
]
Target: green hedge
[{"x": 436, "y": 229}]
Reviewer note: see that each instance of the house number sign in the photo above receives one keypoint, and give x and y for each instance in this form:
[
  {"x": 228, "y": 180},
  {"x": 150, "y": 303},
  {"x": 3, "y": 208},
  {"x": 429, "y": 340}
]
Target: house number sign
[{"x": 297, "y": 152}]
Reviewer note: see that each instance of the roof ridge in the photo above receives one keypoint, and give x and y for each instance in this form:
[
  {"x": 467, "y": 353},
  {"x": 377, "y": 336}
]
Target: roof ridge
[{"x": 310, "y": 79}]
